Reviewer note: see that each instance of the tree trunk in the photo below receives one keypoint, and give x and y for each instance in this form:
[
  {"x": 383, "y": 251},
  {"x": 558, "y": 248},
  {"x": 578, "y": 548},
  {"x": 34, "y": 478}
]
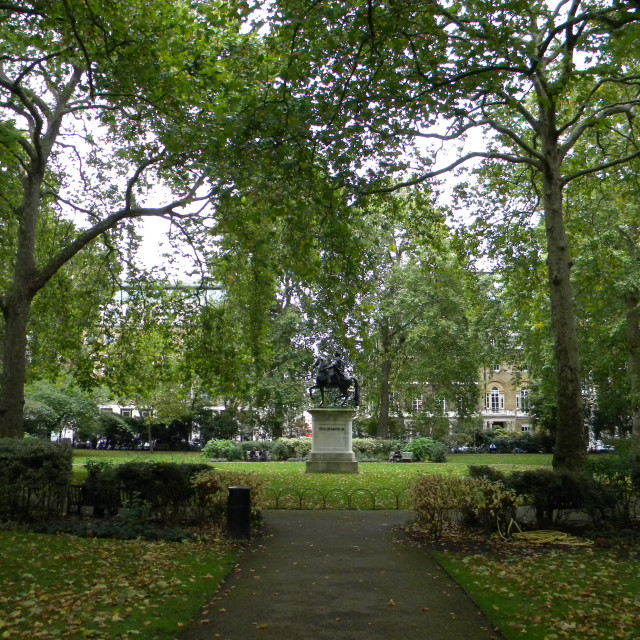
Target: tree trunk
[
  {"x": 571, "y": 443},
  {"x": 13, "y": 368},
  {"x": 16, "y": 308},
  {"x": 633, "y": 367},
  {"x": 383, "y": 421}
]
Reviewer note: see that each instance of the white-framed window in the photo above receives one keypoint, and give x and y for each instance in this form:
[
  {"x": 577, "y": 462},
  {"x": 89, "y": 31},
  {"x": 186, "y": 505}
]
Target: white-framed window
[
  {"x": 126, "y": 413},
  {"x": 145, "y": 413},
  {"x": 496, "y": 368},
  {"x": 526, "y": 427},
  {"x": 417, "y": 404},
  {"x": 522, "y": 400},
  {"x": 106, "y": 410},
  {"x": 494, "y": 400}
]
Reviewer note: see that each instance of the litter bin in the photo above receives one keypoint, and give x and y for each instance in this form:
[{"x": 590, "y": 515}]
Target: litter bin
[{"x": 239, "y": 512}]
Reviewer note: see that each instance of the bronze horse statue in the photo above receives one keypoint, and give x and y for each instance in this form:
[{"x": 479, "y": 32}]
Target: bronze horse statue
[{"x": 331, "y": 376}]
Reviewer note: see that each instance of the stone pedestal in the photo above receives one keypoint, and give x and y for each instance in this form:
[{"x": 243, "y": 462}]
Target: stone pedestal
[{"x": 331, "y": 445}]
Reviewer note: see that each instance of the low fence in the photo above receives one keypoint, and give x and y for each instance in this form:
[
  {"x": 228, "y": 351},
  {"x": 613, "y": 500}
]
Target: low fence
[{"x": 291, "y": 498}]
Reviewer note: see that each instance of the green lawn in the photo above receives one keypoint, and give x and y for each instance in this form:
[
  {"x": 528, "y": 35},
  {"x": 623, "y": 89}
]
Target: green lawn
[
  {"x": 379, "y": 484},
  {"x": 552, "y": 594}
]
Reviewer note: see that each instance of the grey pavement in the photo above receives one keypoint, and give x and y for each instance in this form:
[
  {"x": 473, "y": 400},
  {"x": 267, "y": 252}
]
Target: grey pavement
[{"x": 341, "y": 575}]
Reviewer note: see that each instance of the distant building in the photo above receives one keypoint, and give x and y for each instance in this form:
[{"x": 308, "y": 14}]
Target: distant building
[{"x": 505, "y": 399}]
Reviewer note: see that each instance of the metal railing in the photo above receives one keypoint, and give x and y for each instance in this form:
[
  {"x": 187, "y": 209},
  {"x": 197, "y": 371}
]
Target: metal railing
[{"x": 292, "y": 498}]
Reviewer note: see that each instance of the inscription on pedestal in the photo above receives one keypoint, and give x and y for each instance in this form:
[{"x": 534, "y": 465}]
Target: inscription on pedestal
[{"x": 331, "y": 444}]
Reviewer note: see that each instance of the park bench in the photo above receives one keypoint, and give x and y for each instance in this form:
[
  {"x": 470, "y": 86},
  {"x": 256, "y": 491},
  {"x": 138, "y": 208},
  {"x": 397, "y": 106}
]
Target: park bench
[{"x": 405, "y": 456}]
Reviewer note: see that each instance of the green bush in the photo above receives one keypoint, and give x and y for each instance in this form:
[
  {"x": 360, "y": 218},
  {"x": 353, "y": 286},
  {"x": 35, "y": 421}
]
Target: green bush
[
  {"x": 375, "y": 448},
  {"x": 438, "y": 453},
  {"x": 165, "y": 486},
  {"x": 212, "y": 488},
  {"x": 295, "y": 448},
  {"x": 614, "y": 475},
  {"x": 487, "y": 502},
  {"x": 424, "y": 448},
  {"x": 281, "y": 450},
  {"x": 551, "y": 492},
  {"x": 35, "y": 477},
  {"x": 488, "y": 472},
  {"x": 222, "y": 450}
]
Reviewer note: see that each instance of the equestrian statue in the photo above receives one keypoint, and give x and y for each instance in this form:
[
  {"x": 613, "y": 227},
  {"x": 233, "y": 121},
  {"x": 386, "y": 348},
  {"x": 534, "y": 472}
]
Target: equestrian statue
[{"x": 331, "y": 375}]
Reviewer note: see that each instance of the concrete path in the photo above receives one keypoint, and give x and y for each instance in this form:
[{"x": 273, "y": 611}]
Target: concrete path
[{"x": 347, "y": 575}]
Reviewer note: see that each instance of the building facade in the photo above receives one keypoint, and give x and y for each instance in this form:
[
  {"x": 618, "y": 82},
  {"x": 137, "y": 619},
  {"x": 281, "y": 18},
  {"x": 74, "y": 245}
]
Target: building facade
[{"x": 504, "y": 403}]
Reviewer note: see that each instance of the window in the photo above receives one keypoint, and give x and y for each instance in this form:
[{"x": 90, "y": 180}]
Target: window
[
  {"x": 106, "y": 410},
  {"x": 496, "y": 367},
  {"x": 526, "y": 427},
  {"x": 126, "y": 413},
  {"x": 522, "y": 400},
  {"x": 416, "y": 405},
  {"x": 494, "y": 400}
]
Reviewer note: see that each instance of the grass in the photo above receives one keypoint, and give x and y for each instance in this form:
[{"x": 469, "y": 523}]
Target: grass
[
  {"x": 64, "y": 587},
  {"x": 54, "y": 587},
  {"x": 382, "y": 484},
  {"x": 554, "y": 594}
]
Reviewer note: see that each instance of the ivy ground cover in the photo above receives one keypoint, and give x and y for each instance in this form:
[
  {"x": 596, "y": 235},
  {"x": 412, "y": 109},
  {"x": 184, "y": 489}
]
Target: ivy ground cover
[{"x": 62, "y": 587}]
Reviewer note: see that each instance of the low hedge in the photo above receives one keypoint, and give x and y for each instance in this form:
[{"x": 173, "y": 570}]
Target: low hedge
[{"x": 35, "y": 476}]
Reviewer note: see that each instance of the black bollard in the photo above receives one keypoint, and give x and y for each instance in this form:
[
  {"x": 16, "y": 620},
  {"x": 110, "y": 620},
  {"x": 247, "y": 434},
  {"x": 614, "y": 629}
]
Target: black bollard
[{"x": 239, "y": 512}]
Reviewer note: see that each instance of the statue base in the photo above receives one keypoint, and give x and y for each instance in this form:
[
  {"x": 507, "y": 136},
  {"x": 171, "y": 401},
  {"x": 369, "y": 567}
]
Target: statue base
[{"x": 331, "y": 441}]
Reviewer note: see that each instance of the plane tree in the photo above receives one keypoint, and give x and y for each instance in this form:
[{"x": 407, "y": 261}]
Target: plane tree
[
  {"x": 534, "y": 77},
  {"x": 108, "y": 112}
]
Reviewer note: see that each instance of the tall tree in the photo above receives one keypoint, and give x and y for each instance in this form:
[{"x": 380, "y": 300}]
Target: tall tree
[
  {"x": 539, "y": 76},
  {"x": 100, "y": 100}
]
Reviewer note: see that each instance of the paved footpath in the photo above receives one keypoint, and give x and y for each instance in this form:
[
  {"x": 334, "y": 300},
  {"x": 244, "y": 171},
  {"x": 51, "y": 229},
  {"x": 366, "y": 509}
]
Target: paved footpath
[{"x": 345, "y": 575}]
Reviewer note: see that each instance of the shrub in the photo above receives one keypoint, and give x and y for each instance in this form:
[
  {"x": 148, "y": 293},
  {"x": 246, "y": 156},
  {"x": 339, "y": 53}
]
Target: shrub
[
  {"x": 165, "y": 486},
  {"x": 487, "y": 472},
  {"x": 438, "y": 453},
  {"x": 437, "y": 498},
  {"x": 423, "y": 449},
  {"x": 433, "y": 498},
  {"x": 294, "y": 447},
  {"x": 212, "y": 489},
  {"x": 375, "y": 448},
  {"x": 222, "y": 450},
  {"x": 281, "y": 450},
  {"x": 100, "y": 490},
  {"x": 35, "y": 476},
  {"x": 614, "y": 475},
  {"x": 488, "y": 501},
  {"x": 552, "y": 491}
]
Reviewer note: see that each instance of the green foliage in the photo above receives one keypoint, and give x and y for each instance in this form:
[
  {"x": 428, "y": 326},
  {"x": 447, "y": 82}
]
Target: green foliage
[
  {"x": 284, "y": 448},
  {"x": 552, "y": 492},
  {"x": 52, "y": 407},
  {"x": 34, "y": 478},
  {"x": 281, "y": 451},
  {"x": 617, "y": 475},
  {"x": 222, "y": 450},
  {"x": 375, "y": 448},
  {"x": 427, "y": 449},
  {"x": 212, "y": 486}
]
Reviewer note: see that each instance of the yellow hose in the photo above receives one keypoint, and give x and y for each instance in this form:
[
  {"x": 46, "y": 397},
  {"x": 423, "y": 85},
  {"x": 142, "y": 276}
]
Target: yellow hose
[{"x": 541, "y": 536}]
